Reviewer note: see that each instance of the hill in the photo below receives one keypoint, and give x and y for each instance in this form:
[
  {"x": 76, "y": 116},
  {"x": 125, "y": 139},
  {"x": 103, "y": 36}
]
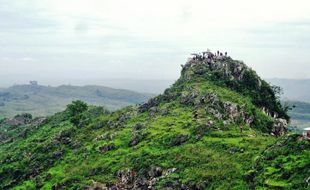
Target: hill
[
  {"x": 300, "y": 114},
  {"x": 46, "y": 100},
  {"x": 216, "y": 128},
  {"x": 294, "y": 89}
]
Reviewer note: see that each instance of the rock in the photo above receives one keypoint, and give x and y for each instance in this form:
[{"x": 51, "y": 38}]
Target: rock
[
  {"x": 179, "y": 139},
  {"x": 39, "y": 121},
  {"x": 248, "y": 119},
  {"x": 155, "y": 172},
  {"x": 167, "y": 96},
  {"x": 170, "y": 171},
  {"x": 308, "y": 181},
  {"x": 106, "y": 136},
  {"x": 96, "y": 186},
  {"x": 214, "y": 112},
  {"x": 122, "y": 119},
  {"x": 138, "y": 126},
  {"x": 188, "y": 99},
  {"x": 110, "y": 123},
  {"x": 134, "y": 140},
  {"x": 151, "y": 103},
  {"x": 154, "y": 111},
  {"x": 129, "y": 179},
  {"x": 58, "y": 154},
  {"x": 198, "y": 136},
  {"x": 141, "y": 184},
  {"x": 64, "y": 137},
  {"x": 106, "y": 148},
  {"x": 279, "y": 127},
  {"x": 19, "y": 120},
  {"x": 231, "y": 109},
  {"x": 137, "y": 136}
]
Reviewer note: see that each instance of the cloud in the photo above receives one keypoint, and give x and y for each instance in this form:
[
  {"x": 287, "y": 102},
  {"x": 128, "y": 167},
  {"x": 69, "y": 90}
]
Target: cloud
[
  {"x": 25, "y": 59},
  {"x": 116, "y": 36}
]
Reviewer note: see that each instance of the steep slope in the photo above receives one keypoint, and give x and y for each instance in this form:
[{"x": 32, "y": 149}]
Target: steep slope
[
  {"x": 205, "y": 132},
  {"x": 47, "y": 100}
]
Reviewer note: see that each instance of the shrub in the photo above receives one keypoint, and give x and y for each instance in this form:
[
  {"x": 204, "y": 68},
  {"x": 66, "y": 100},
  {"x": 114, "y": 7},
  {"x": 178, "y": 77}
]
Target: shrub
[{"x": 75, "y": 110}]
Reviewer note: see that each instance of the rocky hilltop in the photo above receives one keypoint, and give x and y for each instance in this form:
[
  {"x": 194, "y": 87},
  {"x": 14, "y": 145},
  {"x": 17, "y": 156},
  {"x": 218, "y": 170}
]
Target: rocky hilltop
[{"x": 215, "y": 128}]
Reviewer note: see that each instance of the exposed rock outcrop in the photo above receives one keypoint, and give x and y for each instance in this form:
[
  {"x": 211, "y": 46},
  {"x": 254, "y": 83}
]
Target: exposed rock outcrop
[{"x": 279, "y": 127}]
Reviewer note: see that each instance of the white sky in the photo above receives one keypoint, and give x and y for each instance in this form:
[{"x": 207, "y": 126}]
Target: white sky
[{"x": 64, "y": 40}]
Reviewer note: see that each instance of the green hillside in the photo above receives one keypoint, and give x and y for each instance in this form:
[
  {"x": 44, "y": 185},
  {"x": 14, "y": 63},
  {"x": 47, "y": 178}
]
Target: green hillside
[
  {"x": 216, "y": 128},
  {"x": 46, "y": 100}
]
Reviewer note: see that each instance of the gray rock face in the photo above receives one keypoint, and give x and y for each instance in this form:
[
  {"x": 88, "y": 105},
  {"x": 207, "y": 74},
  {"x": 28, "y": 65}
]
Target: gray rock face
[
  {"x": 279, "y": 127},
  {"x": 232, "y": 110}
]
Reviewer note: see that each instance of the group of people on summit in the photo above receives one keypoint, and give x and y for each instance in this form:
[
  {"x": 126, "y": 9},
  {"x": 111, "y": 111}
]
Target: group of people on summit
[{"x": 208, "y": 55}]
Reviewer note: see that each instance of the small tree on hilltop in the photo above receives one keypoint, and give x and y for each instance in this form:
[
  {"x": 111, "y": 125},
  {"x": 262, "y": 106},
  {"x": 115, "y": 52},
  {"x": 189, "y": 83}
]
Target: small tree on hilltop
[{"x": 75, "y": 110}]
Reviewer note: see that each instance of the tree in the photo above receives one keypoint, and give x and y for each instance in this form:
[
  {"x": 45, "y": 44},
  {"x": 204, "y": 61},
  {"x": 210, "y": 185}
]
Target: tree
[{"x": 75, "y": 110}]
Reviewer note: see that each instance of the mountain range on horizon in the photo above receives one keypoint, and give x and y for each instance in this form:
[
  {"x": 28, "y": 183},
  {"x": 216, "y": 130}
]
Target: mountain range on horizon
[
  {"x": 40, "y": 100},
  {"x": 293, "y": 89}
]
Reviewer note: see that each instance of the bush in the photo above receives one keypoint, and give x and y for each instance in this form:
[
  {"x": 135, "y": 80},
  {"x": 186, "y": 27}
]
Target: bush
[{"x": 76, "y": 110}]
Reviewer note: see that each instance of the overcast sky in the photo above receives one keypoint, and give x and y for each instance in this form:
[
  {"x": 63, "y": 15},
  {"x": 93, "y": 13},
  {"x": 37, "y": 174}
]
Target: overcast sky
[{"x": 58, "y": 41}]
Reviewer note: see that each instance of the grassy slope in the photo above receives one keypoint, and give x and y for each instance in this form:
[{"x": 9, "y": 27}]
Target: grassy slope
[
  {"x": 221, "y": 159},
  {"x": 284, "y": 165},
  {"x": 209, "y": 159}
]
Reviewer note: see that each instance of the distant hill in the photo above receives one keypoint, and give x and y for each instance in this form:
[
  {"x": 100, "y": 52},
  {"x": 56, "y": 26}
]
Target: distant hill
[
  {"x": 294, "y": 89},
  {"x": 300, "y": 114},
  {"x": 45, "y": 100}
]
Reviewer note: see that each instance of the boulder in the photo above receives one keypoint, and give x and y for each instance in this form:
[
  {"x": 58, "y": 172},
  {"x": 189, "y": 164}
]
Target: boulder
[
  {"x": 151, "y": 103},
  {"x": 58, "y": 154},
  {"x": 179, "y": 139},
  {"x": 106, "y": 148},
  {"x": 138, "y": 126},
  {"x": 155, "y": 172},
  {"x": 279, "y": 127},
  {"x": 135, "y": 139},
  {"x": 231, "y": 109},
  {"x": 214, "y": 112},
  {"x": 188, "y": 99}
]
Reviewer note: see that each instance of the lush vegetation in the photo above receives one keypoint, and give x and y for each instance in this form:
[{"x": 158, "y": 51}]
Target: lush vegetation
[
  {"x": 46, "y": 100},
  {"x": 281, "y": 165},
  {"x": 201, "y": 134}
]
